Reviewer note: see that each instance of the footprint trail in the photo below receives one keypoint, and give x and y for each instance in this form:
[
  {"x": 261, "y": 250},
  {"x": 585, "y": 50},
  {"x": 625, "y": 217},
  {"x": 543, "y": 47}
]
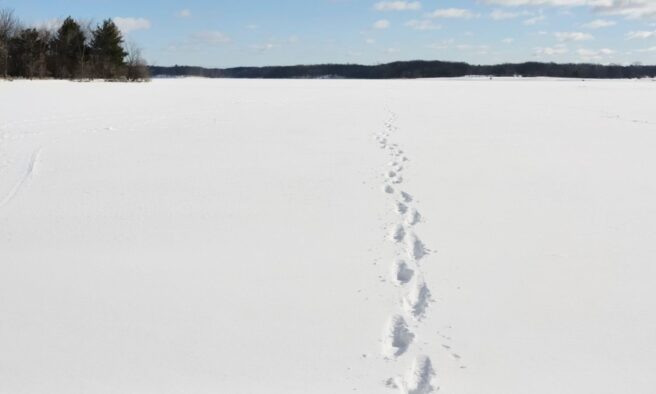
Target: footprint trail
[{"x": 406, "y": 275}]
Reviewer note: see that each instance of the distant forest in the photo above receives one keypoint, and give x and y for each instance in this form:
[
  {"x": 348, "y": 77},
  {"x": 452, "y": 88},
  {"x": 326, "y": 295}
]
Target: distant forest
[
  {"x": 71, "y": 50},
  {"x": 414, "y": 69}
]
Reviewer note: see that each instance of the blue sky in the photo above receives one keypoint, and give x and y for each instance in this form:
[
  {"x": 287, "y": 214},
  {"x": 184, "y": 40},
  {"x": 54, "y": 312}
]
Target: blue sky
[{"x": 250, "y": 33}]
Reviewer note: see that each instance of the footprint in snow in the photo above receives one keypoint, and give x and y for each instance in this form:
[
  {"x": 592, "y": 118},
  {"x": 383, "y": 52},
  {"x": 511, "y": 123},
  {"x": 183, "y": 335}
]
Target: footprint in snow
[
  {"x": 417, "y": 300},
  {"x": 415, "y": 248},
  {"x": 413, "y": 217},
  {"x": 401, "y": 273},
  {"x": 397, "y": 337},
  {"x": 419, "y": 379},
  {"x": 397, "y": 233}
]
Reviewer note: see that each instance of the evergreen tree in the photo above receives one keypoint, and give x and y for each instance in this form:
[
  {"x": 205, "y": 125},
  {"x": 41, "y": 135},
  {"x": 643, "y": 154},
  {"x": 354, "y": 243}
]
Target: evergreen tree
[
  {"x": 70, "y": 50},
  {"x": 107, "y": 51},
  {"x": 28, "y": 54}
]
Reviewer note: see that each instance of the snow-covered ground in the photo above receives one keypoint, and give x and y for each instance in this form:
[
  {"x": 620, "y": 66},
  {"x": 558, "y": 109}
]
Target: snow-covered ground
[{"x": 301, "y": 237}]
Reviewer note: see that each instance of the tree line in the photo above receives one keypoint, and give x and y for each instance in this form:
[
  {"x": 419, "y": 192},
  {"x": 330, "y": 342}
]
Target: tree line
[
  {"x": 416, "y": 69},
  {"x": 71, "y": 50}
]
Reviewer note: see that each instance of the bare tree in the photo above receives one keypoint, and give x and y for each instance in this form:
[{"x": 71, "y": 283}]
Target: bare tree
[
  {"x": 136, "y": 66},
  {"x": 8, "y": 26}
]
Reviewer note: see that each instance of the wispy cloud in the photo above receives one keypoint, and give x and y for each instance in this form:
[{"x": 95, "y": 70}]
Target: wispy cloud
[
  {"x": 210, "y": 38},
  {"x": 422, "y": 24},
  {"x": 573, "y": 36},
  {"x": 128, "y": 24},
  {"x": 186, "y": 13},
  {"x": 397, "y": 6},
  {"x": 632, "y": 35},
  {"x": 556, "y": 50},
  {"x": 499, "y": 15},
  {"x": 599, "y": 24},
  {"x": 629, "y": 9},
  {"x": 594, "y": 54},
  {"x": 452, "y": 13},
  {"x": 381, "y": 24},
  {"x": 534, "y": 20}
]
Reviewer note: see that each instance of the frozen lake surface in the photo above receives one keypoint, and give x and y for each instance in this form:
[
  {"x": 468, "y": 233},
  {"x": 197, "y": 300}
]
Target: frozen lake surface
[{"x": 309, "y": 237}]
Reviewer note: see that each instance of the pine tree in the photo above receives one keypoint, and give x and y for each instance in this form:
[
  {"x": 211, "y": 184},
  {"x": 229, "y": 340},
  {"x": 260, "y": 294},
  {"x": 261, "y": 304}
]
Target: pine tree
[
  {"x": 28, "y": 54},
  {"x": 107, "y": 51},
  {"x": 70, "y": 50}
]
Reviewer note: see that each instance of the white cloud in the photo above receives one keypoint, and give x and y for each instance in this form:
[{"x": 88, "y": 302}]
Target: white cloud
[
  {"x": 212, "y": 38},
  {"x": 592, "y": 54},
  {"x": 650, "y": 49},
  {"x": 398, "y": 6},
  {"x": 452, "y": 13},
  {"x": 370, "y": 41},
  {"x": 499, "y": 15},
  {"x": 632, "y": 35},
  {"x": 573, "y": 36},
  {"x": 127, "y": 25},
  {"x": 422, "y": 24},
  {"x": 599, "y": 24},
  {"x": 630, "y": 9},
  {"x": 186, "y": 13},
  {"x": 382, "y": 24},
  {"x": 561, "y": 3},
  {"x": 559, "y": 49},
  {"x": 534, "y": 20},
  {"x": 508, "y": 40}
]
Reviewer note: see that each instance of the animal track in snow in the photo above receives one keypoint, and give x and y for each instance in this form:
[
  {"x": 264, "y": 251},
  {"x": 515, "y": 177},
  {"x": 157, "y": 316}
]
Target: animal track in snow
[
  {"x": 388, "y": 189},
  {"x": 406, "y": 197},
  {"x": 401, "y": 208},
  {"x": 417, "y": 299},
  {"x": 401, "y": 273},
  {"x": 397, "y": 337}
]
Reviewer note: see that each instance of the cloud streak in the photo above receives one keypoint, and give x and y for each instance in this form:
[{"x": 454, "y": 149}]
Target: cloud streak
[
  {"x": 397, "y": 6},
  {"x": 129, "y": 24}
]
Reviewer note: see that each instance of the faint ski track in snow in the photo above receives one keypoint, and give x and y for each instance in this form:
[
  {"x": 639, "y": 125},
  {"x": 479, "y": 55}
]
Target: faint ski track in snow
[{"x": 27, "y": 175}]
